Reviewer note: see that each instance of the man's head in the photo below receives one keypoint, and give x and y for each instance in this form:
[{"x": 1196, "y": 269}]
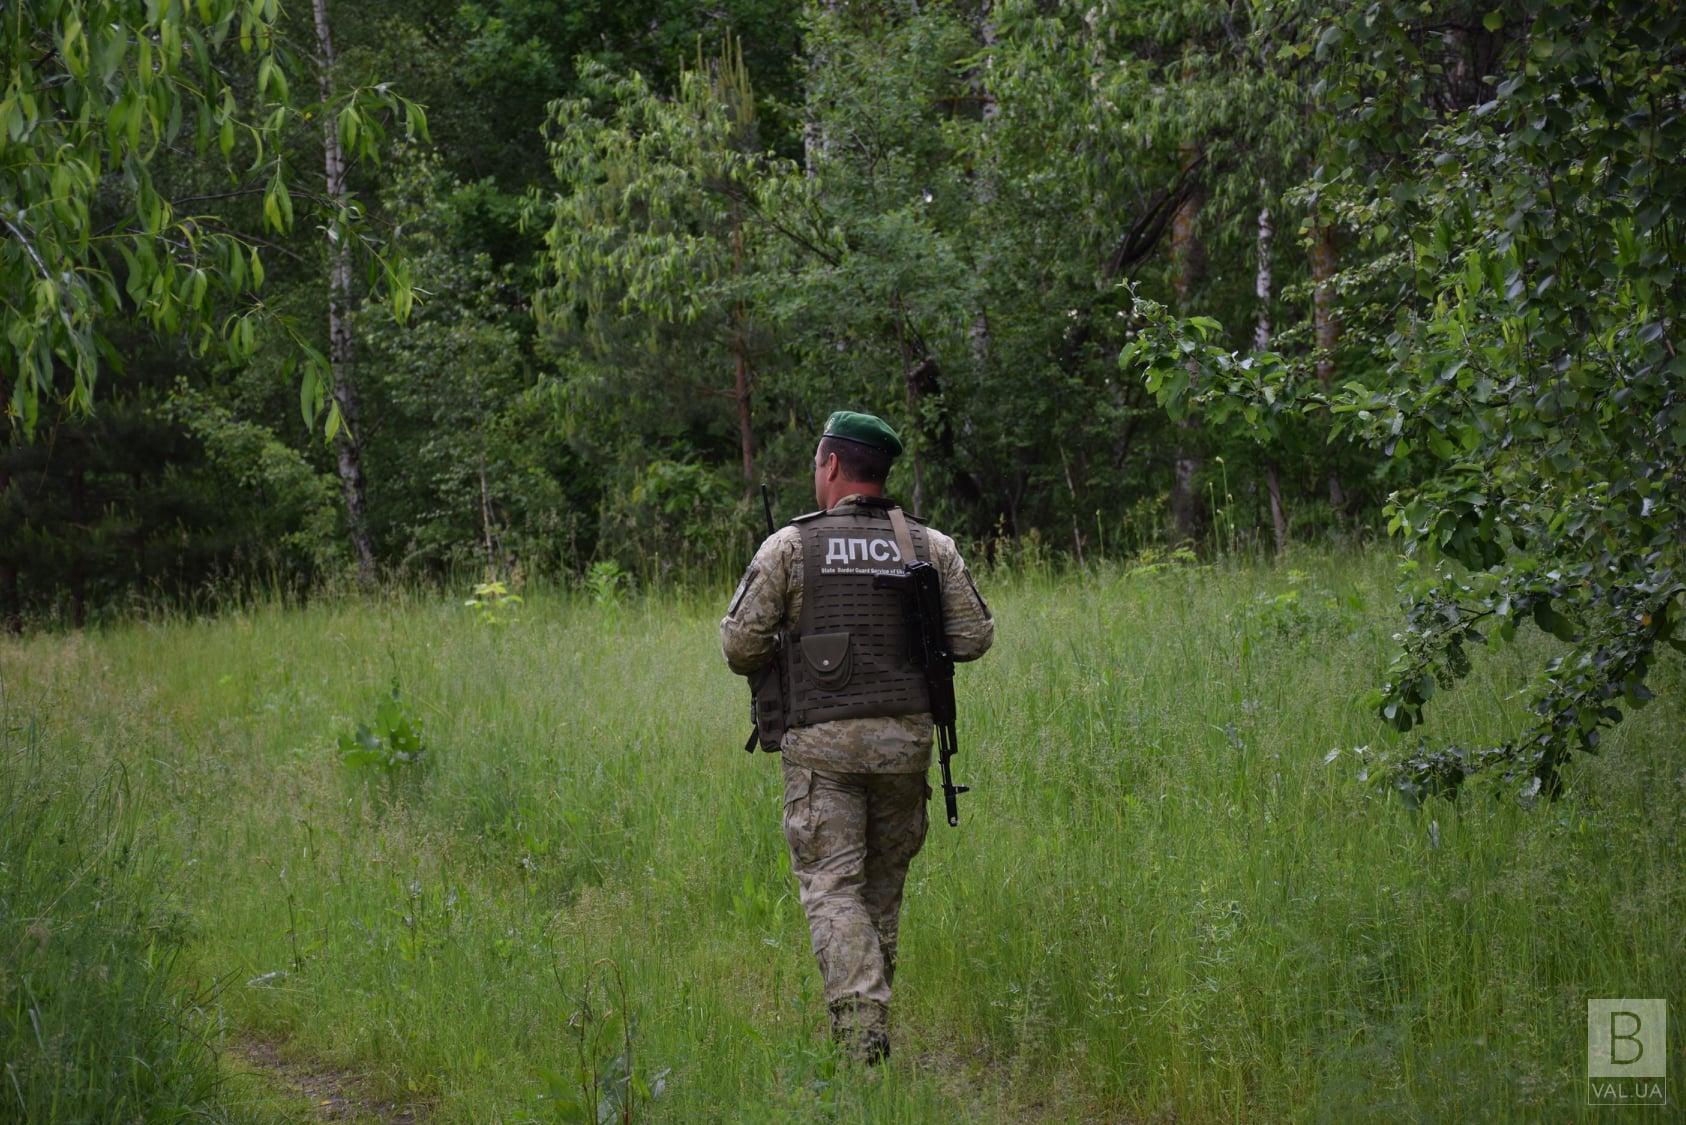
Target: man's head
[{"x": 854, "y": 456}]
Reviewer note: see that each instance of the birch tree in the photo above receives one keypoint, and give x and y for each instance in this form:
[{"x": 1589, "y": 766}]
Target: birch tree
[{"x": 99, "y": 97}]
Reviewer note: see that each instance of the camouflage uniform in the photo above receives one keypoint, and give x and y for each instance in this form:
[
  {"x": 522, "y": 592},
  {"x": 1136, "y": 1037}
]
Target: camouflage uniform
[{"x": 854, "y": 789}]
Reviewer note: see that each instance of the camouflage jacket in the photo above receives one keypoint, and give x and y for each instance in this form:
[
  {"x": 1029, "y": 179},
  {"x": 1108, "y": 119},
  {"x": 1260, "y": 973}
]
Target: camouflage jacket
[{"x": 769, "y": 600}]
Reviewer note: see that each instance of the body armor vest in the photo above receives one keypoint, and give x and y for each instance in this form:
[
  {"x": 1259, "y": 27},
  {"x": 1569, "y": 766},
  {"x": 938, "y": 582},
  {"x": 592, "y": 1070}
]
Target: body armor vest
[{"x": 848, "y": 656}]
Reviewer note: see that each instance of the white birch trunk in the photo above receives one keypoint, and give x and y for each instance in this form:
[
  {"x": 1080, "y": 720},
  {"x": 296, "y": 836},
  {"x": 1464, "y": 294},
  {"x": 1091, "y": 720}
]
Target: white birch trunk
[{"x": 347, "y": 442}]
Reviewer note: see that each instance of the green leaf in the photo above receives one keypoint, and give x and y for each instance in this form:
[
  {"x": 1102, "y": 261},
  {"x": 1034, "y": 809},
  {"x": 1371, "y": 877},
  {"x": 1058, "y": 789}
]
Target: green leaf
[
  {"x": 1553, "y": 622},
  {"x": 1332, "y": 35},
  {"x": 348, "y": 125}
]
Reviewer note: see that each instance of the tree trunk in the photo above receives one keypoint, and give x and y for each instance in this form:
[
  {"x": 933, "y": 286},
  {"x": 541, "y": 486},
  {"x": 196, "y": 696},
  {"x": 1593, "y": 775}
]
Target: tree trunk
[
  {"x": 486, "y": 522},
  {"x": 918, "y": 462},
  {"x": 1324, "y": 319},
  {"x": 348, "y": 441},
  {"x": 815, "y": 145},
  {"x": 984, "y": 190},
  {"x": 746, "y": 431},
  {"x": 1327, "y": 325},
  {"x": 78, "y": 581},
  {"x": 1278, "y": 516},
  {"x": 740, "y": 362},
  {"x": 11, "y": 607},
  {"x": 1261, "y": 282},
  {"x": 1185, "y": 505},
  {"x": 1186, "y": 255},
  {"x": 1261, "y": 341},
  {"x": 912, "y": 369},
  {"x": 1071, "y": 489},
  {"x": 13, "y": 610}
]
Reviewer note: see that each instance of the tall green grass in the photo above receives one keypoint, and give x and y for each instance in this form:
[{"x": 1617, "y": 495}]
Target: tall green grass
[
  {"x": 1164, "y": 901},
  {"x": 96, "y": 1024}
]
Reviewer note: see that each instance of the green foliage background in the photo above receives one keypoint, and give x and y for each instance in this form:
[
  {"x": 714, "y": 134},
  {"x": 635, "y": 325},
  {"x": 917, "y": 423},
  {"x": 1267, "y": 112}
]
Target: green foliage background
[{"x": 926, "y": 207}]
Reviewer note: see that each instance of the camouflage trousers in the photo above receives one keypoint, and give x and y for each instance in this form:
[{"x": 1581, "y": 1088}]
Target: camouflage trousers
[{"x": 851, "y": 837}]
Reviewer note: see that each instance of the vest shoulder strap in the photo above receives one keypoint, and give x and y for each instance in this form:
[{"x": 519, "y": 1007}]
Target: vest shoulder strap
[{"x": 904, "y": 539}]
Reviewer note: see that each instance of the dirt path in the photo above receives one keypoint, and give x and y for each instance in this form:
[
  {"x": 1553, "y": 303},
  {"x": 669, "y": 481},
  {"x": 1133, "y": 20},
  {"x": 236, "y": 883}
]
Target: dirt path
[{"x": 334, "y": 1095}]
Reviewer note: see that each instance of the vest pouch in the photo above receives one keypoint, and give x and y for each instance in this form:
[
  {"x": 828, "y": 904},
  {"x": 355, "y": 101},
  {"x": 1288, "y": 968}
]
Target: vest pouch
[
  {"x": 828, "y": 659},
  {"x": 768, "y": 704}
]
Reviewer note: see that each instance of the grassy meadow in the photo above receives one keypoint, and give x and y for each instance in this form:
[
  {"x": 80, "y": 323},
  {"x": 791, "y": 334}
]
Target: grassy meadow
[{"x": 1164, "y": 902}]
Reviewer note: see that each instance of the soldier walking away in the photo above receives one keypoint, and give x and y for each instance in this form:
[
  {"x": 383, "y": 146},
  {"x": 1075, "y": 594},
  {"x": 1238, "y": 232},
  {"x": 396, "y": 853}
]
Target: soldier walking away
[{"x": 825, "y": 616}]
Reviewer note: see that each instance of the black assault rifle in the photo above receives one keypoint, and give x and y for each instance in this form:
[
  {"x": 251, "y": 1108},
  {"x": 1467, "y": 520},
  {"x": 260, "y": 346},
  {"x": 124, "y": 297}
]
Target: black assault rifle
[
  {"x": 922, "y": 605},
  {"x": 766, "y": 686}
]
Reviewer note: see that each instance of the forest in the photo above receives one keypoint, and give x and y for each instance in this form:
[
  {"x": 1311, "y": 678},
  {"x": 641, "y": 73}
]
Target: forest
[
  {"x": 1335, "y": 344},
  {"x": 308, "y": 293}
]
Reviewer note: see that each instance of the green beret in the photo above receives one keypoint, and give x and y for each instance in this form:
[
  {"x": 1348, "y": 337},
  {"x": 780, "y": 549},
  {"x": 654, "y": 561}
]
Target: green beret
[{"x": 867, "y": 429}]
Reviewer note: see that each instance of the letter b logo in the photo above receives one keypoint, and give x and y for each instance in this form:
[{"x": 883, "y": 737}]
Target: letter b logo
[
  {"x": 1629, "y": 1023},
  {"x": 1626, "y": 1038}
]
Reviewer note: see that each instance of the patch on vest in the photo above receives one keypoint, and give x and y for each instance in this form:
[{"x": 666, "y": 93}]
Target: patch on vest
[{"x": 861, "y": 554}]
